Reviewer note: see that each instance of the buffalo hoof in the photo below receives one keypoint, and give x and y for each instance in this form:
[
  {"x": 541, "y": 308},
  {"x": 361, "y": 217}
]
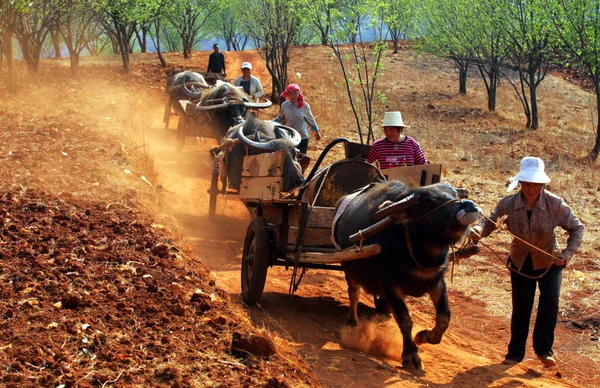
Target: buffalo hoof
[
  {"x": 412, "y": 362},
  {"x": 421, "y": 337}
]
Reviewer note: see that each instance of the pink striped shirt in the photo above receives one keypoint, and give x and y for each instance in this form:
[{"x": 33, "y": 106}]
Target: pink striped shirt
[{"x": 403, "y": 153}]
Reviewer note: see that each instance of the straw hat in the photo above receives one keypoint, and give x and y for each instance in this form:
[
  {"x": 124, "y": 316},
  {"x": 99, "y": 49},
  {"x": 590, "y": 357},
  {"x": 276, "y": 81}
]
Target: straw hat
[
  {"x": 393, "y": 119},
  {"x": 532, "y": 170},
  {"x": 247, "y": 65}
]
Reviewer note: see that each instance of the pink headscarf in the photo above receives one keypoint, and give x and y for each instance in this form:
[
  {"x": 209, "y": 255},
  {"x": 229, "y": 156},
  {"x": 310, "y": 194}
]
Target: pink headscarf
[{"x": 294, "y": 88}]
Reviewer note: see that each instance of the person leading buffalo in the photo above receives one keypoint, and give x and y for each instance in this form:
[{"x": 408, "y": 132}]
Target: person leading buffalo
[
  {"x": 395, "y": 149},
  {"x": 535, "y": 258},
  {"x": 296, "y": 113},
  {"x": 250, "y": 83}
]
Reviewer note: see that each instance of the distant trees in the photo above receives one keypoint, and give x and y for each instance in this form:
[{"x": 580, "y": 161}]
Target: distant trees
[{"x": 577, "y": 25}]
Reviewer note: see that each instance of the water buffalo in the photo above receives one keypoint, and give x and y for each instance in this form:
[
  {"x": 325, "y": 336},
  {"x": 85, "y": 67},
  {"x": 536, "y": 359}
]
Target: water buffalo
[
  {"x": 261, "y": 136},
  {"x": 417, "y": 227},
  {"x": 181, "y": 85}
]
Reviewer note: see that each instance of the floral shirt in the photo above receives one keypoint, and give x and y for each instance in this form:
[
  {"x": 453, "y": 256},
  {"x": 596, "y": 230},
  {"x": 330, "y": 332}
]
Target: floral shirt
[{"x": 548, "y": 212}]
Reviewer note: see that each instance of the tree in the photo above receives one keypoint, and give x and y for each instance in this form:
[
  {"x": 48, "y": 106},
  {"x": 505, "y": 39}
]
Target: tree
[
  {"x": 401, "y": 17},
  {"x": 119, "y": 18},
  {"x": 577, "y": 24},
  {"x": 9, "y": 18},
  {"x": 188, "y": 17},
  {"x": 529, "y": 41},
  {"x": 225, "y": 24},
  {"x": 273, "y": 25},
  {"x": 77, "y": 25},
  {"x": 446, "y": 34},
  {"x": 320, "y": 15},
  {"x": 361, "y": 62},
  {"x": 33, "y": 26}
]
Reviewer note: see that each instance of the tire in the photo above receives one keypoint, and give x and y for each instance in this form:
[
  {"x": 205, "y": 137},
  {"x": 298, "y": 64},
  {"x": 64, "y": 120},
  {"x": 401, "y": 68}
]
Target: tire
[
  {"x": 213, "y": 191},
  {"x": 181, "y": 133},
  {"x": 255, "y": 261}
]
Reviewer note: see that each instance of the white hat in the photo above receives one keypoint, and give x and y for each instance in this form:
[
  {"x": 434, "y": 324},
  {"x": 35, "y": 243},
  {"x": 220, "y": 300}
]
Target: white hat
[
  {"x": 393, "y": 119},
  {"x": 247, "y": 65},
  {"x": 532, "y": 170}
]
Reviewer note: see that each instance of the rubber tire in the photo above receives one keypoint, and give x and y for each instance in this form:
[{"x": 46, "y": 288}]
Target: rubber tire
[
  {"x": 181, "y": 133},
  {"x": 213, "y": 191},
  {"x": 255, "y": 261}
]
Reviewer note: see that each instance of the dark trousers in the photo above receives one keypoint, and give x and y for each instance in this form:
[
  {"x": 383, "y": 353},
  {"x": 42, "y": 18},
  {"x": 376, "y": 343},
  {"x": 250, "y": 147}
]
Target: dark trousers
[
  {"x": 523, "y": 293},
  {"x": 303, "y": 146}
]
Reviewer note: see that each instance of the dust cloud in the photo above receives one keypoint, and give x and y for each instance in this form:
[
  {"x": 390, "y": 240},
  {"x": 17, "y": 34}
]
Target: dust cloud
[{"x": 377, "y": 336}]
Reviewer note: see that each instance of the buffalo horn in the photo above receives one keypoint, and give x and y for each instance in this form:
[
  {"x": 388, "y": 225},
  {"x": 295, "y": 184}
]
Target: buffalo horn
[
  {"x": 292, "y": 135},
  {"x": 212, "y": 107},
  {"x": 262, "y": 147},
  {"x": 258, "y": 105},
  {"x": 397, "y": 207},
  {"x": 189, "y": 92}
]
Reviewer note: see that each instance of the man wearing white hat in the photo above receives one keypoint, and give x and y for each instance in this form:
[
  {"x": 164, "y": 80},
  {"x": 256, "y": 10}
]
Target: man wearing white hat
[
  {"x": 396, "y": 149},
  {"x": 250, "y": 83},
  {"x": 535, "y": 258}
]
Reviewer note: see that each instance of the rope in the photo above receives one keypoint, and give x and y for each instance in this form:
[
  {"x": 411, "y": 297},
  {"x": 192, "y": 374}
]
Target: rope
[
  {"x": 499, "y": 227},
  {"x": 437, "y": 208},
  {"x": 507, "y": 265}
]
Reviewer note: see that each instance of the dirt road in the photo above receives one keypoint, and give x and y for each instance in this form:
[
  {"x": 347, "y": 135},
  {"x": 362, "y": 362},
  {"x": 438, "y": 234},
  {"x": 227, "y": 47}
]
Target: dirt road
[{"x": 313, "y": 319}]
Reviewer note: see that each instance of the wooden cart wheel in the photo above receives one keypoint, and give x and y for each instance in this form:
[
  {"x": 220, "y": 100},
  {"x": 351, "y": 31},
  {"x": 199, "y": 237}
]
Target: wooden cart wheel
[
  {"x": 214, "y": 190},
  {"x": 255, "y": 261},
  {"x": 167, "y": 115},
  {"x": 181, "y": 132}
]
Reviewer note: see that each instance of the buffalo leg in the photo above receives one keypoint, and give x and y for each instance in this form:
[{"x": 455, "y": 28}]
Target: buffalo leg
[
  {"x": 439, "y": 297},
  {"x": 354, "y": 295},
  {"x": 410, "y": 353}
]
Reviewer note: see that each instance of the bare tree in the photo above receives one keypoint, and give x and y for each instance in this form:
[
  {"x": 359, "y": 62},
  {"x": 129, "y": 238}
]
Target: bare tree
[{"x": 273, "y": 26}]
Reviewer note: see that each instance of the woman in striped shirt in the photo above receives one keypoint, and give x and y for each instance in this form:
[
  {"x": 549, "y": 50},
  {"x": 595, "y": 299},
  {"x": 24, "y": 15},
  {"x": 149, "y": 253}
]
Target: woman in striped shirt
[{"x": 396, "y": 149}]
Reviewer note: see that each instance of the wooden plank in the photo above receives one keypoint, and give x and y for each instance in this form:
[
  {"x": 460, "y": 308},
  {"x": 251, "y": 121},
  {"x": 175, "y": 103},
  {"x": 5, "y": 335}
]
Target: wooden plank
[
  {"x": 321, "y": 217},
  {"x": 414, "y": 174},
  {"x": 314, "y": 237},
  {"x": 268, "y": 164},
  {"x": 352, "y": 253},
  {"x": 265, "y": 188}
]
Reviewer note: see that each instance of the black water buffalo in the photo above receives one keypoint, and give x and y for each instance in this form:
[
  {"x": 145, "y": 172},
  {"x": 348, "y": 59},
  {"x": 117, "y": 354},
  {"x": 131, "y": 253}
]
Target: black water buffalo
[
  {"x": 226, "y": 106},
  {"x": 182, "y": 84},
  {"x": 422, "y": 224},
  {"x": 261, "y": 136}
]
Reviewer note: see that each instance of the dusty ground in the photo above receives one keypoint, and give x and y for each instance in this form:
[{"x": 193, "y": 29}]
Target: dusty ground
[{"x": 99, "y": 288}]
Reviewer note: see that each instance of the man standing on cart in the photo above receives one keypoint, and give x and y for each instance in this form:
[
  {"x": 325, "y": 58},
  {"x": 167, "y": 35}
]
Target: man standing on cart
[{"x": 216, "y": 62}]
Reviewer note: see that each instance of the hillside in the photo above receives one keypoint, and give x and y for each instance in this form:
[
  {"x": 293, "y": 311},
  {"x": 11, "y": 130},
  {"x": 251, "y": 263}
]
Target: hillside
[{"x": 106, "y": 241}]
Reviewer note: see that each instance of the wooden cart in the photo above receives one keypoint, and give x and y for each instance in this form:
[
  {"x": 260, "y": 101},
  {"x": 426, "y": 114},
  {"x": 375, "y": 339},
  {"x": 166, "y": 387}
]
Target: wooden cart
[{"x": 294, "y": 229}]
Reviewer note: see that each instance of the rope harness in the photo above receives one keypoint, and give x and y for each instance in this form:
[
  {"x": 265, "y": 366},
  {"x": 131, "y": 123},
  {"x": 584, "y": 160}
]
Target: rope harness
[{"x": 507, "y": 264}]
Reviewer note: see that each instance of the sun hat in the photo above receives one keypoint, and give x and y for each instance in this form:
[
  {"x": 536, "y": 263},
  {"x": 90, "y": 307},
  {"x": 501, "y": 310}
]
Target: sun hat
[
  {"x": 247, "y": 65},
  {"x": 393, "y": 119},
  {"x": 531, "y": 170}
]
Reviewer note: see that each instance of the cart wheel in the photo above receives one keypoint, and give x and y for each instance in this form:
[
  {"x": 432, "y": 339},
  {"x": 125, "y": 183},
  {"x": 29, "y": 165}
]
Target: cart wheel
[
  {"x": 255, "y": 261},
  {"x": 181, "y": 133},
  {"x": 214, "y": 190},
  {"x": 167, "y": 116}
]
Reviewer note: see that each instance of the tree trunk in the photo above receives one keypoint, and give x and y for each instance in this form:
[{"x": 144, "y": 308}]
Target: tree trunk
[
  {"x": 10, "y": 66},
  {"x": 593, "y": 155},
  {"x": 463, "y": 72},
  {"x": 163, "y": 63},
  {"x": 535, "y": 121},
  {"x": 74, "y": 59},
  {"x": 56, "y": 43}
]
